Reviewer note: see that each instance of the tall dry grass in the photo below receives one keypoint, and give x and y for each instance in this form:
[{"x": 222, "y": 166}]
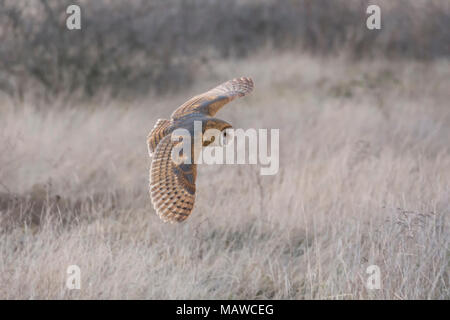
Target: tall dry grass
[{"x": 364, "y": 179}]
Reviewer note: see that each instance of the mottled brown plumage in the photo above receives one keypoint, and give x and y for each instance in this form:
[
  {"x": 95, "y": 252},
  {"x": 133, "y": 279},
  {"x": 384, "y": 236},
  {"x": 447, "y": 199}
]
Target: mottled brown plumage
[{"x": 172, "y": 186}]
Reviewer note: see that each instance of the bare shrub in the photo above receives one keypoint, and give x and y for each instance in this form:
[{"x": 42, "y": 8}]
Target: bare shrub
[{"x": 136, "y": 46}]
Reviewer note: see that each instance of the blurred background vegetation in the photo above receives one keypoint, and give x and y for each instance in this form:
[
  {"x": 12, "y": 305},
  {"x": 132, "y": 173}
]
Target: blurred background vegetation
[
  {"x": 131, "y": 47},
  {"x": 364, "y": 175}
]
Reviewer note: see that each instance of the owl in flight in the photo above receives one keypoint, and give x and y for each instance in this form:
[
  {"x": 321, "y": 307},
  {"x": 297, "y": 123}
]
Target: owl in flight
[{"x": 172, "y": 185}]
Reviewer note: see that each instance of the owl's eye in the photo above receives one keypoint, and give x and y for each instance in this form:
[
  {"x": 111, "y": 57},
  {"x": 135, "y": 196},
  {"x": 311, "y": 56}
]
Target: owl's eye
[{"x": 225, "y": 138}]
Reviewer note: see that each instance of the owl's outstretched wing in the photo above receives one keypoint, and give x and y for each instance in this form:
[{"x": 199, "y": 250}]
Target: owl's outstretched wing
[
  {"x": 158, "y": 132},
  {"x": 172, "y": 186},
  {"x": 211, "y": 101}
]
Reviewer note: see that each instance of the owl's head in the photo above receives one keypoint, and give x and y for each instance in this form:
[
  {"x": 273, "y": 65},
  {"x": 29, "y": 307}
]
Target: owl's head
[{"x": 215, "y": 130}]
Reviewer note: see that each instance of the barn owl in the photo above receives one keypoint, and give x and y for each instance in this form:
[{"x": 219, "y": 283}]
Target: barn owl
[{"x": 172, "y": 185}]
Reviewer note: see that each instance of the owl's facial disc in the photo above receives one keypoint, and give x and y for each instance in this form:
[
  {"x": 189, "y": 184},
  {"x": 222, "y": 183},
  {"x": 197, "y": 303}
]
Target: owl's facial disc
[
  {"x": 218, "y": 135},
  {"x": 214, "y": 130}
]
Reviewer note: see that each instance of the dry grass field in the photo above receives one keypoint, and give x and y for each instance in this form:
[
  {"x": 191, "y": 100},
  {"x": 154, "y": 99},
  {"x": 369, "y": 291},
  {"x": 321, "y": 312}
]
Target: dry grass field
[{"x": 364, "y": 179}]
